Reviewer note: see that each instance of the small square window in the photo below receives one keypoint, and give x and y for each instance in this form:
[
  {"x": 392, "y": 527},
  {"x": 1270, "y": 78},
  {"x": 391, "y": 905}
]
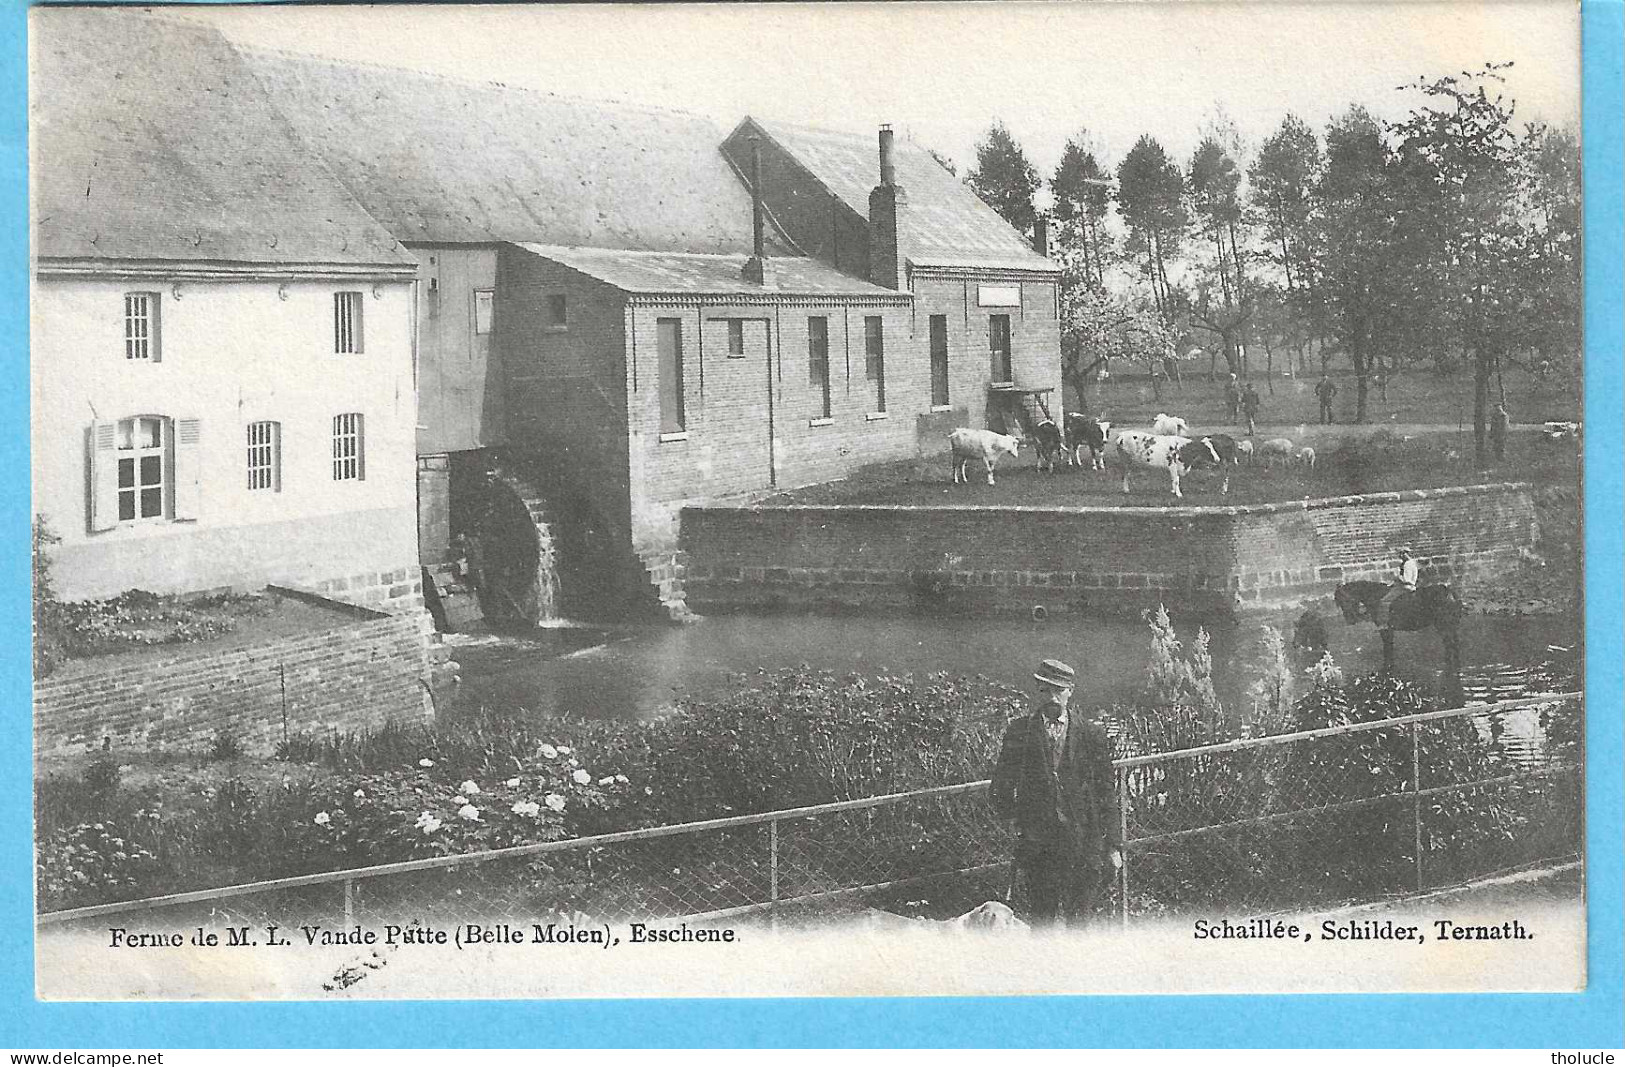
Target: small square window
[
  {"x": 484, "y": 307},
  {"x": 557, "y": 311},
  {"x": 736, "y": 337}
]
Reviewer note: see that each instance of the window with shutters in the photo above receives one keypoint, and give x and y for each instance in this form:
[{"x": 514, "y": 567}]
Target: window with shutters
[
  {"x": 265, "y": 456},
  {"x": 818, "y": 364},
  {"x": 143, "y": 469},
  {"x": 347, "y": 322},
  {"x": 669, "y": 352},
  {"x": 349, "y": 448},
  {"x": 874, "y": 358},
  {"x": 939, "y": 361},
  {"x": 141, "y": 326}
]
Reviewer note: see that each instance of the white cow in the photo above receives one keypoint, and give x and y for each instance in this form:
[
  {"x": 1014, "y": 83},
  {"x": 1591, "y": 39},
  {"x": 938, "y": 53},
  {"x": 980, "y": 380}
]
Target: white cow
[
  {"x": 1169, "y": 452},
  {"x": 965, "y": 445},
  {"x": 1244, "y": 452},
  {"x": 1306, "y": 456},
  {"x": 1170, "y": 426}
]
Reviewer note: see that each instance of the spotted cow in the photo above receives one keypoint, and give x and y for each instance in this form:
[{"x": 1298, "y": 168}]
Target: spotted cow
[
  {"x": 1084, "y": 432},
  {"x": 1174, "y": 454},
  {"x": 1047, "y": 440}
]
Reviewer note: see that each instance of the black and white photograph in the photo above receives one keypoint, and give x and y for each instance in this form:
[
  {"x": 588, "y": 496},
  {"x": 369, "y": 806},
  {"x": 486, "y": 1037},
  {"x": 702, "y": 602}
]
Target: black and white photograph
[{"x": 805, "y": 499}]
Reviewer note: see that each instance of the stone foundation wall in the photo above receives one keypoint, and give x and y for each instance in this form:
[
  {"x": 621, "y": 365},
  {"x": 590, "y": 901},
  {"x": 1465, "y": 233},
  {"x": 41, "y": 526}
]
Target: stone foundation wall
[{"x": 1015, "y": 559}]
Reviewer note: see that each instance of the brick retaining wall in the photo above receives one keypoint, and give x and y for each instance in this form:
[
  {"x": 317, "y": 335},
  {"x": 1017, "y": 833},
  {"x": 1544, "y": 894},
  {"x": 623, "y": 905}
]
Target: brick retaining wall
[
  {"x": 998, "y": 559},
  {"x": 358, "y": 673}
]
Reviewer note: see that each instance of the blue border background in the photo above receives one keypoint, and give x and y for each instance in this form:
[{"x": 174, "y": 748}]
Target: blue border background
[{"x": 1591, "y": 1019}]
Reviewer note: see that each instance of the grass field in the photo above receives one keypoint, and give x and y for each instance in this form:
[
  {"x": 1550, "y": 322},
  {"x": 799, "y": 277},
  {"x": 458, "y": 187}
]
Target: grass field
[
  {"x": 1349, "y": 460},
  {"x": 1420, "y": 397}
]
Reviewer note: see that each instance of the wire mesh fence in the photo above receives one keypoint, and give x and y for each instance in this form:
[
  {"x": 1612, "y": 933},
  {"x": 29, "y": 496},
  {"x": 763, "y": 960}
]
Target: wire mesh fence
[{"x": 1350, "y": 813}]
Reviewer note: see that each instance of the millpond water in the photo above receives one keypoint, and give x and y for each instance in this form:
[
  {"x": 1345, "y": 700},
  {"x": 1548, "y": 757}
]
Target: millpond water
[{"x": 643, "y": 673}]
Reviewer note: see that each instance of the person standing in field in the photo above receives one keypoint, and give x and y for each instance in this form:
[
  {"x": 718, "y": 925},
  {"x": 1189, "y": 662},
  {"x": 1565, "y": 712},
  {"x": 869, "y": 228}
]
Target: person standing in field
[
  {"x": 1232, "y": 399},
  {"x": 1325, "y": 389},
  {"x": 1250, "y": 402}
]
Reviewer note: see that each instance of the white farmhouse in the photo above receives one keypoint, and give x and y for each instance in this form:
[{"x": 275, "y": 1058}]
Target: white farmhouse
[{"x": 222, "y": 375}]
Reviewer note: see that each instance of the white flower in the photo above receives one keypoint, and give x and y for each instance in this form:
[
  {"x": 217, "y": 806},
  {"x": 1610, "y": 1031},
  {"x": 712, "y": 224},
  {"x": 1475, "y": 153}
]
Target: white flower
[
  {"x": 621, "y": 779},
  {"x": 428, "y": 823},
  {"x": 527, "y": 807},
  {"x": 359, "y": 794},
  {"x": 554, "y": 801},
  {"x": 512, "y": 783},
  {"x": 648, "y": 790},
  {"x": 574, "y": 762},
  {"x": 322, "y": 818},
  {"x": 469, "y": 788},
  {"x": 564, "y": 750},
  {"x": 459, "y": 799},
  {"x": 582, "y": 777},
  {"x": 469, "y": 812},
  {"x": 606, "y": 781},
  {"x": 425, "y": 763},
  {"x": 547, "y": 750}
]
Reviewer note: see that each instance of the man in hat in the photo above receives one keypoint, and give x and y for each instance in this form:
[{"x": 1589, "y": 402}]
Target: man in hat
[{"x": 1054, "y": 778}]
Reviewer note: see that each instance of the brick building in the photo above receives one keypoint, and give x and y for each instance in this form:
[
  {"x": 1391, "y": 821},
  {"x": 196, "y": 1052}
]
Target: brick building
[
  {"x": 221, "y": 334},
  {"x": 605, "y": 308}
]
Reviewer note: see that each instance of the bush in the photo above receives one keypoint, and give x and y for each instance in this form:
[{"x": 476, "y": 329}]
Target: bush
[
  {"x": 49, "y": 646},
  {"x": 93, "y": 863}
]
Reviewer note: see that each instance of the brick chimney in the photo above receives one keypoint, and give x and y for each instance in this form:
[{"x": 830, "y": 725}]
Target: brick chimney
[
  {"x": 1041, "y": 234},
  {"x": 887, "y": 204},
  {"x": 757, "y": 269}
]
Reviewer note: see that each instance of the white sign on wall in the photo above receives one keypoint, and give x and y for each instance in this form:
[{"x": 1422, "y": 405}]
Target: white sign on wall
[{"x": 998, "y": 296}]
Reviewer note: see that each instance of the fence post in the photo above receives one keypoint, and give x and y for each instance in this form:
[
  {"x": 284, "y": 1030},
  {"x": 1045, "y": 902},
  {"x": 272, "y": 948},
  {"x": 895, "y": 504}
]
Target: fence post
[
  {"x": 1416, "y": 796},
  {"x": 773, "y": 871},
  {"x": 349, "y": 902},
  {"x": 1122, "y": 834}
]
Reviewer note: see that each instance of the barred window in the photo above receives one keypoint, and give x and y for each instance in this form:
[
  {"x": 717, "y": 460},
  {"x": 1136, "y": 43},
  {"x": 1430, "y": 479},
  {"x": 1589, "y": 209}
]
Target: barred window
[
  {"x": 265, "y": 456},
  {"x": 349, "y": 448},
  {"x": 347, "y": 322},
  {"x": 141, "y": 326}
]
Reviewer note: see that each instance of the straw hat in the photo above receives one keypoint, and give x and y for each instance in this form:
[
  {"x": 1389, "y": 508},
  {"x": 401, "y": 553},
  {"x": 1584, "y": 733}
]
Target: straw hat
[{"x": 1053, "y": 672}]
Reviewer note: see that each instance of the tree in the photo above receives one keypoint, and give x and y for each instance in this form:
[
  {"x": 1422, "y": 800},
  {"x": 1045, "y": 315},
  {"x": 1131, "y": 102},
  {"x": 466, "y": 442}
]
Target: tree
[
  {"x": 1215, "y": 184},
  {"x": 1150, "y": 196},
  {"x": 1552, "y": 264},
  {"x": 1459, "y": 158},
  {"x": 1355, "y": 224},
  {"x": 1281, "y": 184},
  {"x": 1082, "y": 190},
  {"x": 1004, "y": 178},
  {"x": 1098, "y": 328}
]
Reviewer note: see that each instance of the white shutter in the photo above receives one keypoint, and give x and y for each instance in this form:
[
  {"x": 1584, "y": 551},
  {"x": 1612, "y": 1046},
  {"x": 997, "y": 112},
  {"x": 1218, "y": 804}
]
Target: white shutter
[
  {"x": 188, "y": 467},
  {"x": 103, "y": 442}
]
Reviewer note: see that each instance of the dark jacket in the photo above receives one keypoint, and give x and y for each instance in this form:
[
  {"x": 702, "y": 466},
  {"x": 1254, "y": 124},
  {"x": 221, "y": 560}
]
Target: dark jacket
[{"x": 1074, "y": 810}]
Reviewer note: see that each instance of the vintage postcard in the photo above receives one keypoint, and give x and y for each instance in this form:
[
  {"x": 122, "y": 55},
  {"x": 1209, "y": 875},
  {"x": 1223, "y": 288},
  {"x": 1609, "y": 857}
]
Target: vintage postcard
[{"x": 583, "y": 501}]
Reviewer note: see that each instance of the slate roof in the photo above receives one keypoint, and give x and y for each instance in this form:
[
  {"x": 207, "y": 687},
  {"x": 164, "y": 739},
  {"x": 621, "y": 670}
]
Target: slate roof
[
  {"x": 442, "y": 160},
  {"x": 946, "y": 224},
  {"x": 699, "y": 273},
  {"x": 152, "y": 140}
]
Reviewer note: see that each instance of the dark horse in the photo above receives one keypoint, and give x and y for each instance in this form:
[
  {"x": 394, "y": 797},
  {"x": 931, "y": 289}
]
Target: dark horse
[{"x": 1431, "y": 606}]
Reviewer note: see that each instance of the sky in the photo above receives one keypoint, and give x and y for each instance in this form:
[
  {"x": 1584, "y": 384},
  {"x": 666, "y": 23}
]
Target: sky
[{"x": 943, "y": 72}]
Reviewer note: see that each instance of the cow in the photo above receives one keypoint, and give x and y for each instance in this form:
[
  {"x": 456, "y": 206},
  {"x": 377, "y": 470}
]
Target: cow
[
  {"x": 1083, "y": 432},
  {"x": 1047, "y": 439},
  {"x": 1176, "y": 455},
  {"x": 1226, "y": 453},
  {"x": 1276, "y": 448},
  {"x": 1306, "y": 456},
  {"x": 965, "y": 445},
  {"x": 1170, "y": 426},
  {"x": 1244, "y": 452}
]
